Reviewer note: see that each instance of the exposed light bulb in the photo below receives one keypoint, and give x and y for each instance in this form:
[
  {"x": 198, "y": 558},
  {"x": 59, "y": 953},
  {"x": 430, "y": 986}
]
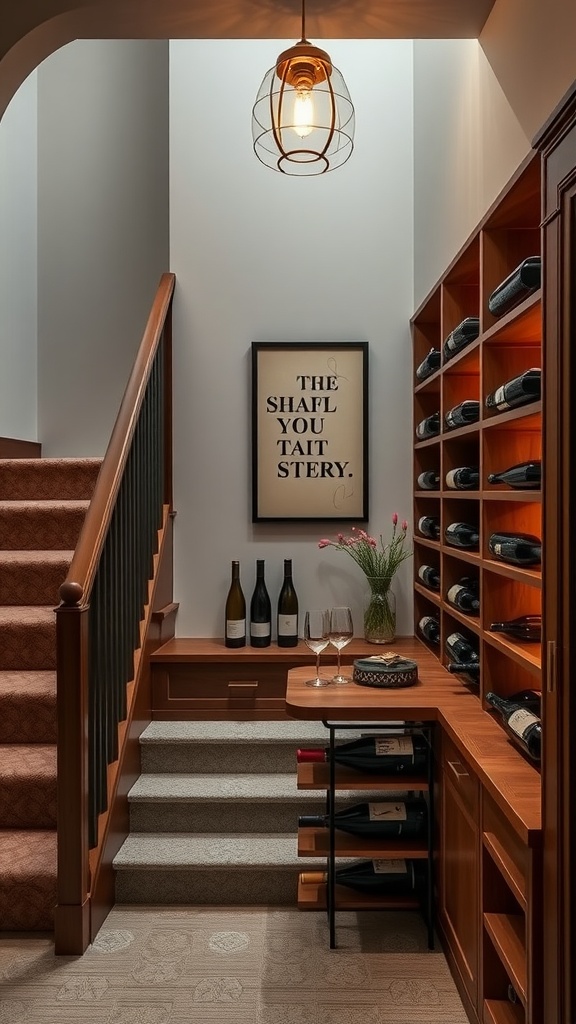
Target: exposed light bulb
[{"x": 303, "y": 113}]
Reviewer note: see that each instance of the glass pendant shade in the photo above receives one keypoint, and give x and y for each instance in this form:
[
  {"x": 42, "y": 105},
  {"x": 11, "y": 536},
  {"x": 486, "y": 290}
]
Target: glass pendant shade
[{"x": 303, "y": 117}]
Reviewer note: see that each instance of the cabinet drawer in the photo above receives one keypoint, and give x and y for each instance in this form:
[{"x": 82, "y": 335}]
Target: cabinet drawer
[
  {"x": 220, "y": 685},
  {"x": 461, "y": 776}
]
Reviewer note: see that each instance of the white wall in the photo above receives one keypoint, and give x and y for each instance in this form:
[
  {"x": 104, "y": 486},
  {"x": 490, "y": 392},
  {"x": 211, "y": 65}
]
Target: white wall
[
  {"x": 260, "y": 256},
  {"x": 18, "y": 282},
  {"x": 102, "y": 229}
]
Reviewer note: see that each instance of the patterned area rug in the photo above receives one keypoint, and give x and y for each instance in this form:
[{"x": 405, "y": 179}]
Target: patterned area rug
[{"x": 153, "y": 965}]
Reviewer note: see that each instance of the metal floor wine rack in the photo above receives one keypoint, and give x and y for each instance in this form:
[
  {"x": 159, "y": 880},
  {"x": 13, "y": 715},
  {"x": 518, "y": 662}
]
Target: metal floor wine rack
[{"x": 426, "y": 900}]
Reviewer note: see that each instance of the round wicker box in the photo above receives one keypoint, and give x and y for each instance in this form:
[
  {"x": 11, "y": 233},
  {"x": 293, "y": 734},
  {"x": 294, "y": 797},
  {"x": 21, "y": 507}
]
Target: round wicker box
[{"x": 388, "y": 670}]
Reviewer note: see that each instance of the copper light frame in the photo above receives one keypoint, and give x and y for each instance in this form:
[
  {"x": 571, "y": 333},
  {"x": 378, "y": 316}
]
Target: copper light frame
[{"x": 280, "y": 142}]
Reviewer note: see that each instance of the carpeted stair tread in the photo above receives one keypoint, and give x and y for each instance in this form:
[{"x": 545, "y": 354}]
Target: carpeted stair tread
[
  {"x": 32, "y": 577},
  {"x": 27, "y": 879},
  {"x": 49, "y": 525},
  {"x": 28, "y": 790},
  {"x": 228, "y": 788},
  {"x": 48, "y": 479},
  {"x": 28, "y": 707},
  {"x": 27, "y": 637},
  {"x": 285, "y": 731},
  {"x": 246, "y": 851}
]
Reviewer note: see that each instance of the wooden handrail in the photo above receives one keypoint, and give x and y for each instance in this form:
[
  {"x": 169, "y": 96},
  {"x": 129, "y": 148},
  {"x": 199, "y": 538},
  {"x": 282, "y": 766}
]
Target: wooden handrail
[{"x": 76, "y": 588}]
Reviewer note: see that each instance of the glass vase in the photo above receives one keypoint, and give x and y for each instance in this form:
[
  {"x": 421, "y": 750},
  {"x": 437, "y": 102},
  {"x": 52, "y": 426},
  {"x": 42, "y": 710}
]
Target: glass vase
[{"x": 379, "y": 611}]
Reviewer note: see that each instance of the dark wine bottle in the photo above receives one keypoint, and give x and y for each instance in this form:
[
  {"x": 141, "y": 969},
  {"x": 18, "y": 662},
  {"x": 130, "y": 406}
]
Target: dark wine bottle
[
  {"x": 516, "y": 548},
  {"x": 430, "y": 628},
  {"x": 287, "y": 618},
  {"x": 386, "y": 819},
  {"x": 460, "y": 650},
  {"x": 464, "y": 478},
  {"x": 377, "y": 755},
  {"x": 518, "y": 391},
  {"x": 428, "y": 481},
  {"x": 429, "y": 365},
  {"x": 428, "y": 427},
  {"x": 469, "y": 669},
  {"x": 260, "y": 610},
  {"x": 524, "y": 627},
  {"x": 512, "y": 994},
  {"x": 429, "y": 526},
  {"x": 461, "y": 535},
  {"x": 461, "y": 415},
  {"x": 461, "y": 336},
  {"x": 430, "y": 576},
  {"x": 523, "y": 726},
  {"x": 464, "y": 595},
  {"x": 235, "y": 613},
  {"x": 525, "y": 475},
  {"x": 524, "y": 280},
  {"x": 379, "y": 877},
  {"x": 530, "y": 699}
]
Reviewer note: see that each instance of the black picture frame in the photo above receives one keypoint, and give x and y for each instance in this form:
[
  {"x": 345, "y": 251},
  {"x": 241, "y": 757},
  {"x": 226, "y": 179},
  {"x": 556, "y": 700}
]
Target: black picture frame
[{"x": 310, "y": 431}]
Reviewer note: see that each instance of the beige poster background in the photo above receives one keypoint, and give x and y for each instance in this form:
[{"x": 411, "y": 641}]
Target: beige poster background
[{"x": 309, "y": 444}]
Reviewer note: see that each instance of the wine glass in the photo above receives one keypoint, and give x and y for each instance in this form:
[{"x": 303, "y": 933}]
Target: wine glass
[
  {"x": 316, "y": 629},
  {"x": 341, "y": 633}
]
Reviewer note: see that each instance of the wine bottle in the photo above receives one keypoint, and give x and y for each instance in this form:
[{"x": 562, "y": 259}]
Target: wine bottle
[
  {"x": 430, "y": 628},
  {"x": 461, "y": 336},
  {"x": 429, "y": 365},
  {"x": 428, "y": 481},
  {"x": 380, "y": 877},
  {"x": 461, "y": 415},
  {"x": 524, "y": 727},
  {"x": 525, "y": 627},
  {"x": 525, "y": 475},
  {"x": 287, "y": 618},
  {"x": 461, "y": 535},
  {"x": 460, "y": 650},
  {"x": 428, "y": 427},
  {"x": 517, "y": 391},
  {"x": 524, "y": 280},
  {"x": 516, "y": 548},
  {"x": 464, "y": 478},
  {"x": 387, "y": 819},
  {"x": 377, "y": 755},
  {"x": 470, "y": 669},
  {"x": 429, "y": 526},
  {"x": 430, "y": 576},
  {"x": 512, "y": 994},
  {"x": 260, "y": 610},
  {"x": 530, "y": 699},
  {"x": 235, "y": 625},
  {"x": 464, "y": 595}
]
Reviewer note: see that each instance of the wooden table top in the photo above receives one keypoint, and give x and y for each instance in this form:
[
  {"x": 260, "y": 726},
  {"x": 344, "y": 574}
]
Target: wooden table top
[{"x": 437, "y": 697}]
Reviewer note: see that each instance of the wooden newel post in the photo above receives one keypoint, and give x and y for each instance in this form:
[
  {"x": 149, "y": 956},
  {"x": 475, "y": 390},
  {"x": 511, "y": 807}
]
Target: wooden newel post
[{"x": 72, "y": 913}]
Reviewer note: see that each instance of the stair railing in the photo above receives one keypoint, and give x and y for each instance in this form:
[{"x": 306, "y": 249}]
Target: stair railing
[{"x": 102, "y": 620}]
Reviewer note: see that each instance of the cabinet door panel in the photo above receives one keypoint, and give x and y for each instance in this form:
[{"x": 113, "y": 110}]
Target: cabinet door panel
[{"x": 460, "y": 891}]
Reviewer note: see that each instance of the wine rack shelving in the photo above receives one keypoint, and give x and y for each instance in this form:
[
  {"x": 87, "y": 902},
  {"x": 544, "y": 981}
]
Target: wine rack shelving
[
  {"x": 496, "y": 947},
  {"x": 330, "y": 843}
]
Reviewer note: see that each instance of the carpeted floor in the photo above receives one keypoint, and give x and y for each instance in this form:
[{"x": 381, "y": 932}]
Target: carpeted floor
[{"x": 179, "y": 965}]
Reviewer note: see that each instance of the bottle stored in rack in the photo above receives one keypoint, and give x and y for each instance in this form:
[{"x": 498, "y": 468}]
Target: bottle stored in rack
[
  {"x": 385, "y": 819},
  {"x": 524, "y": 475},
  {"x": 521, "y": 549},
  {"x": 463, "y": 414},
  {"x": 521, "y": 724},
  {"x": 399, "y": 754},
  {"x": 464, "y": 478},
  {"x": 428, "y": 481},
  {"x": 518, "y": 391},
  {"x": 429, "y": 526},
  {"x": 429, "y": 365},
  {"x": 429, "y": 576},
  {"x": 462, "y": 535},
  {"x": 428, "y": 427},
  {"x": 463, "y": 335}
]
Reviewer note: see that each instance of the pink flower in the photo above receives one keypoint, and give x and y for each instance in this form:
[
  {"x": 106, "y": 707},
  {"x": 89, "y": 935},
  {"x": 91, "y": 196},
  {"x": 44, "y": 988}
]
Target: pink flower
[
  {"x": 341, "y": 538},
  {"x": 324, "y": 543},
  {"x": 395, "y": 518},
  {"x": 404, "y": 525}
]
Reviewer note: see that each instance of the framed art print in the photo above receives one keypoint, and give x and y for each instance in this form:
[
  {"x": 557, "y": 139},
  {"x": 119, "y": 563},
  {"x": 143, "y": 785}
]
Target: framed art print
[{"x": 309, "y": 431}]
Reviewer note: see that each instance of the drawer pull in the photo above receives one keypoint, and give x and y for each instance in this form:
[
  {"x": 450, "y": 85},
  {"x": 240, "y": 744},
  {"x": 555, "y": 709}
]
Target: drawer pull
[{"x": 454, "y": 766}]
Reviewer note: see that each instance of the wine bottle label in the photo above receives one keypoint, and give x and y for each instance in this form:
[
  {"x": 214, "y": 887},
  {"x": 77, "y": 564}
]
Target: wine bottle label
[
  {"x": 387, "y": 810},
  {"x": 451, "y": 479},
  {"x": 394, "y": 745},
  {"x": 425, "y": 620},
  {"x": 454, "y": 591},
  {"x": 520, "y": 720},
  {"x": 453, "y": 528},
  {"x": 260, "y": 629},
  {"x": 497, "y": 548},
  {"x": 500, "y": 398},
  {"x": 389, "y": 867},
  {"x": 287, "y": 625},
  {"x": 235, "y": 628}
]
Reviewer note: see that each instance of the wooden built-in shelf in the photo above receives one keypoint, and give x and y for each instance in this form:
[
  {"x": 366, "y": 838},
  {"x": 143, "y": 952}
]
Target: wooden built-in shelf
[
  {"x": 533, "y": 577},
  {"x": 523, "y": 417},
  {"x": 499, "y": 1011},
  {"x": 433, "y": 544},
  {"x": 430, "y": 595},
  {"x": 463, "y": 554},
  {"x": 507, "y": 932},
  {"x": 460, "y": 495},
  {"x": 312, "y": 896},
  {"x": 457, "y": 432},
  {"x": 464, "y": 362},
  {"x": 428, "y": 442},
  {"x": 315, "y": 775},
  {"x": 471, "y": 622},
  {"x": 431, "y": 383},
  {"x": 507, "y": 867},
  {"x": 315, "y": 842},
  {"x": 521, "y": 325},
  {"x": 510, "y": 495},
  {"x": 527, "y": 655}
]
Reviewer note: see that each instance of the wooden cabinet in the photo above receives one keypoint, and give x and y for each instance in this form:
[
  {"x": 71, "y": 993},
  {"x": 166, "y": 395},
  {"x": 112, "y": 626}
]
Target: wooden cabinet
[{"x": 458, "y": 882}]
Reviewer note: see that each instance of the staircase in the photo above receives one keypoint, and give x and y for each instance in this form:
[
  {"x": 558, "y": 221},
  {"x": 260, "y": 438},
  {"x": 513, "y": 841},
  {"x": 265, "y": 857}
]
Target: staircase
[
  {"x": 42, "y": 507},
  {"x": 214, "y": 814}
]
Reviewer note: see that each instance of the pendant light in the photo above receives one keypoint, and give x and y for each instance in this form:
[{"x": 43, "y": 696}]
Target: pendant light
[{"x": 303, "y": 117}]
